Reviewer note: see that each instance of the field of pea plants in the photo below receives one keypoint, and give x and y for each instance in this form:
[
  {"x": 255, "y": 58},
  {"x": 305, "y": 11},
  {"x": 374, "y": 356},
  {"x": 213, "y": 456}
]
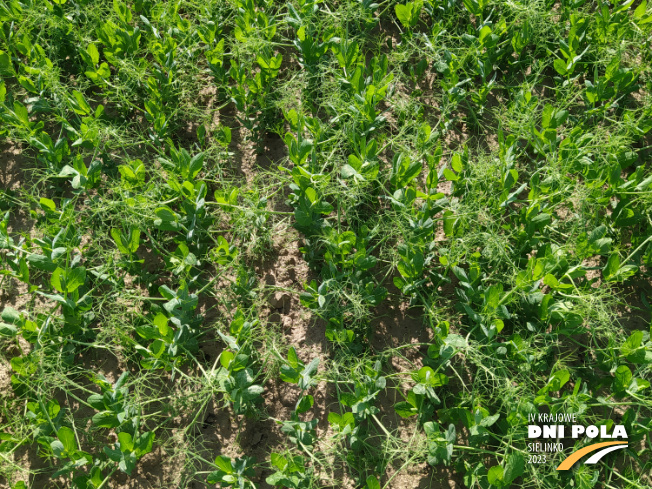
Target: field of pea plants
[{"x": 323, "y": 244}]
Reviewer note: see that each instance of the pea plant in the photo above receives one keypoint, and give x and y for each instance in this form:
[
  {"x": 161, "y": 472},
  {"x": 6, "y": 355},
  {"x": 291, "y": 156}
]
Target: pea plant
[{"x": 239, "y": 369}]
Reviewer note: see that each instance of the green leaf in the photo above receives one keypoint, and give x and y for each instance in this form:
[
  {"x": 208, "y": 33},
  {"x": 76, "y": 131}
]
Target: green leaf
[
  {"x": 157, "y": 348},
  {"x": 115, "y": 455},
  {"x": 126, "y": 442},
  {"x": 226, "y": 357},
  {"x": 622, "y": 378},
  {"x": 408, "y": 14},
  {"x": 57, "y": 448},
  {"x": 21, "y": 113},
  {"x": 559, "y": 118},
  {"x": 106, "y": 419},
  {"x": 161, "y": 323},
  {"x": 495, "y": 476},
  {"x": 144, "y": 443},
  {"x": 126, "y": 244},
  {"x": 560, "y": 66},
  {"x": 128, "y": 463},
  {"x": 195, "y": 165},
  {"x": 224, "y": 464},
  {"x": 278, "y": 461},
  {"x": 428, "y": 377},
  {"x": 613, "y": 271},
  {"x": 122, "y": 10},
  {"x": 450, "y": 176},
  {"x": 546, "y": 116},
  {"x": 293, "y": 359},
  {"x": 75, "y": 278},
  {"x": 117, "y": 237},
  {"x": 58, "y": 276},
  {"x": 93, "y": 53},
  {"x": 348, "y": 171},
  {"x": 67, "y": 438},
  {"x": 472, "y": 6},
  {"x": 8, "y": 329},
  {"x": 488, "y": 420},
  {"x": 640, "y": 11},
  {"x": 557, "y": 381},
  {"x": 47, "y": 204},
  {"x": 252, "y": 392},
  {"x": 83, "y": 108},
  {"x": 514, "y": 467},
  {"x": 215, "y": 477},
  {"x": 405, "y": 409},
  {"x": 306, "y": 374},
  {"x": 611, "y": 268},
  {"x": 134, "y": 241},
  {"x": 165, "y": 214},
  {"x": 305, "y": 404},
  {"x": 492, "y": 296},
  {"x": 632, "y": 349},
  {"x": 404, "y": 170},
  {"x": 27, "y": 84},
  {"x": 372, "y": 483},
  {"x": 97, "y": 401},
  {"x": 5, "y": 63},
  {"x": 456, "y": 163},
  {"x": 10, "y": 315}
]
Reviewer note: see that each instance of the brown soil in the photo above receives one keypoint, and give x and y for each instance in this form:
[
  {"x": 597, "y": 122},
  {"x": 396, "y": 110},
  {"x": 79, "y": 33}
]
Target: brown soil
[{"x": 12, "y": 166}]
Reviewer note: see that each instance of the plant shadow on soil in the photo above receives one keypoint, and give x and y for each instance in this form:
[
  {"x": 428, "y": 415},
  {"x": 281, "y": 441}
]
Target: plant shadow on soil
[{"x": 635, "y": 314}]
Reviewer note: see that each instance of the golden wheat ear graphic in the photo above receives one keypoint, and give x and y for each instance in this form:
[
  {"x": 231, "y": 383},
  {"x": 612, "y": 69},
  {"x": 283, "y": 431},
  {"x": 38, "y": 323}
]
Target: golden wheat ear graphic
[{"x": 607, "y": 446}]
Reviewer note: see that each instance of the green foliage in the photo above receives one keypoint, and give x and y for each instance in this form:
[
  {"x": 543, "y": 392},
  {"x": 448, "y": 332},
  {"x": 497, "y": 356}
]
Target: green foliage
[
  {"x": 440, "y": 443},
  {"x": 127, "y": 243},
  {"x": 456, "y": 217},
  {"x": 114, "y": 405},
  {"x": 128, "y": 449},
  {"x": 232, "y": 473},
  {"x": 291, "y": 472},
  {"x": 238, "y": 372},
  {"x": 408, "y": 14}
]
